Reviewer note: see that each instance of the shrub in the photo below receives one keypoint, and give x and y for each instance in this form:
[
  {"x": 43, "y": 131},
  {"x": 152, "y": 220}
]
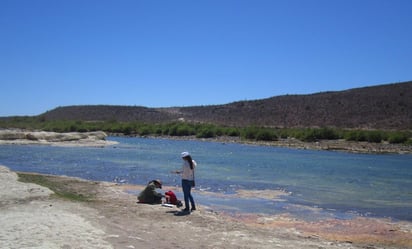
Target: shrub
[
  {"x": 205, "y": 133},
  {"x": 374, "y": 136},
  {"x": 365, "y": 136},
  {"x": 328, "y": 133},
  {"x": 398, "y": 138},
  {"x": 232, "y": 132},
  {"x": 266, "y": 135},
  {"x": 355, "y": 135},
  {"x": 307, "y": 135},
  {"x": 249, "y": 133},
  {"x": 145, "y": 130}
]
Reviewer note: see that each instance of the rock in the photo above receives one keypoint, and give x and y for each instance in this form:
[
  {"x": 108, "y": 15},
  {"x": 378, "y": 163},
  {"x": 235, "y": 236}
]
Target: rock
[
  {"x": 12, "y": 135},
  {"x": 16, "y": 136}
]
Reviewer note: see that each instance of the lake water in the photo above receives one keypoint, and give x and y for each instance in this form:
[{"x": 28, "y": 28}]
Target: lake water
[{"x": 321, "y": 183}]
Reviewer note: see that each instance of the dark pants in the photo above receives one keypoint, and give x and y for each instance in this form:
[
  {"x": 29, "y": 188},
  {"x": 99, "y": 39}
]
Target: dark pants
[
  {"x": 187, "y": 187},
  {"x": 157, "y": 200}
]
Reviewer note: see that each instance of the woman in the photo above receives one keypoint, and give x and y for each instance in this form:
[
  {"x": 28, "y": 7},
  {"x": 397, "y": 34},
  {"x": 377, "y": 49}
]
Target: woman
[{"x": 188, "y": 179}]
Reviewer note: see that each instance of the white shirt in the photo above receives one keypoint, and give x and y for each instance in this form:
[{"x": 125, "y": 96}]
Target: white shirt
[{"x": 187, "y": 173}]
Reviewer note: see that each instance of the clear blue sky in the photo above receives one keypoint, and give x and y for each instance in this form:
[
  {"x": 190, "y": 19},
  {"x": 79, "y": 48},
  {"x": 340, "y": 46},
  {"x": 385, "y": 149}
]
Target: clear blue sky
[{"x": 163, "y": 53}]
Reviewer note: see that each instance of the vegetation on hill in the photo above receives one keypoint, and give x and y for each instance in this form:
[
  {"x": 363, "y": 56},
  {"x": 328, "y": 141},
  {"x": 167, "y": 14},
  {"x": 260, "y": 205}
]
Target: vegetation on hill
[
  {"x": 384, "y": 107},
  {"x": 372, "y": 114}
]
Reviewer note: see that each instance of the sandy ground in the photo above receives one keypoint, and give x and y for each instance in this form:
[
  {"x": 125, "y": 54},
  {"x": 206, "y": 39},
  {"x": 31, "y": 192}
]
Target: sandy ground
[{"x": 32, "y": 217}]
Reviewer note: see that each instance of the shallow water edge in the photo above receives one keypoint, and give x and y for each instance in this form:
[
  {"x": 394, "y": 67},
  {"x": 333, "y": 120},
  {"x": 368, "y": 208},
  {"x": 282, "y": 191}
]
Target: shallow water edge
[{"x": 355, "y": 232}]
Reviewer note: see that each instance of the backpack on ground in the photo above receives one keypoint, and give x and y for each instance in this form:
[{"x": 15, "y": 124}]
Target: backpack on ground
[{"x": 171, "y": 199}]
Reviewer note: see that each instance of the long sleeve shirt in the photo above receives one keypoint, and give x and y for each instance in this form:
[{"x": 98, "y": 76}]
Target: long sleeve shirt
[
  {"x": 149, "y": 194},
  {"x": 187, "y": 172}
]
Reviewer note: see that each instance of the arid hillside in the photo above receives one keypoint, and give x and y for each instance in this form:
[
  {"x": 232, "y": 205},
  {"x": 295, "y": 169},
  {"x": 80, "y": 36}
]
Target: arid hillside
[{"x": 376, "y": 107}]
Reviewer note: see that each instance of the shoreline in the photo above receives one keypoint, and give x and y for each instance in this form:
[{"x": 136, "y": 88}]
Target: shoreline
[
  {"x": 112, "y": 219},
  {"x": 98, "y": 139},
  {"x": 66, "y": 139},
  {"x": 339, "y": 145}
]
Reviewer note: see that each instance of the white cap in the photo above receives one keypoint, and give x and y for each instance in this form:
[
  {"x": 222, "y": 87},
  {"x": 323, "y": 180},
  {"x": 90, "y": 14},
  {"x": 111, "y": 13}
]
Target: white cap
[{"x": 185, "y": 154}]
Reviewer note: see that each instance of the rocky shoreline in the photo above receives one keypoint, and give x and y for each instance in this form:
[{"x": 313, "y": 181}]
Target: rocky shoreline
[
  {"x": 343, "y": 145},
  {"x": 330, "y": 145},
  {"x": 98, "y": 139},
  {"x": 17, "y": 136}
]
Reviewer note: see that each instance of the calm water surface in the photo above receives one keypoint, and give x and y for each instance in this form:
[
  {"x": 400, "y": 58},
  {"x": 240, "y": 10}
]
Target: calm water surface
[{"x": 322, "y": 183}]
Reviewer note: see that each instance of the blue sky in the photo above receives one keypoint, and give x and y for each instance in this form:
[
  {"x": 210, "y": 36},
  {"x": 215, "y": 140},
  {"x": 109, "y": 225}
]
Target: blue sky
[{"x": 164, "y": 53}]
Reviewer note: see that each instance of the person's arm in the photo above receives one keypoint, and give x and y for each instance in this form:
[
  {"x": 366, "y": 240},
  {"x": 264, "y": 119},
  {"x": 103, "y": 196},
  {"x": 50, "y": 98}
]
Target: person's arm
[
  {"x": 155, "y": 193},
  {"x": 178, "y": 171}
]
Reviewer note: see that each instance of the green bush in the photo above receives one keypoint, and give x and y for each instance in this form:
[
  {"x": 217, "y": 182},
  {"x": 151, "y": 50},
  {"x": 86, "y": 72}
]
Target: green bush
[
  {"x": 259, "y": 134},
  {"x": 398, "y": 137},
  {"x": 365, "y": 136},
  {"x": 232, "y": 132},
  {"x": 205, "y": 133},
  {"x": 266, "y": 135},
  {"x": 145, "y": 130},
  {"x": 374, "y": 136},
  {"x": 355, "y": 135},
  {"x": 249, "y": 133}
]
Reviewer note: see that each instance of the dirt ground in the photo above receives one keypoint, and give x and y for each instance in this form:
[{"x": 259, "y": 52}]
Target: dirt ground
[{"x": 31, "y": 216}]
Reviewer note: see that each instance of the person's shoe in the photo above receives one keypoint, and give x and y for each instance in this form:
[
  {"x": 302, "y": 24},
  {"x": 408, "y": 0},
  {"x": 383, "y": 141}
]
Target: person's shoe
[
  {"x": 193, "y": 209},
  {"x": 179, "y": 204},
  {"x": 185, "y": 210}
]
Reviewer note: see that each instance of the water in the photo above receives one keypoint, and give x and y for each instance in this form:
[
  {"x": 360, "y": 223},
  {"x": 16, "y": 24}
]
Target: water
[{"x": 322, "y": 183}]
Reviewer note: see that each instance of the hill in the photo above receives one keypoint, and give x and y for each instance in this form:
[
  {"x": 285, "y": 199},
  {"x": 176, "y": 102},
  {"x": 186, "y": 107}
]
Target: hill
[{"x": 377, "y": 107}]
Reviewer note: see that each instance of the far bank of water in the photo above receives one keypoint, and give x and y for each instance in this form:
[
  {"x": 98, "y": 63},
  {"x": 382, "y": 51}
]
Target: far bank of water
[{"x": 321, "y": 183}]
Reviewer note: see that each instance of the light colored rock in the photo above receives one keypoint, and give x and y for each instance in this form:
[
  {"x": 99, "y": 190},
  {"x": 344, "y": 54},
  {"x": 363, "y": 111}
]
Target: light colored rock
[
  {"x": 16, "y": 136},
  {"x": 30, "y": 219}
]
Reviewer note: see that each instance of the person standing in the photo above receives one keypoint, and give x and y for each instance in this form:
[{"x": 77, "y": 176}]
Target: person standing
[{"x": 188, "y": 180}]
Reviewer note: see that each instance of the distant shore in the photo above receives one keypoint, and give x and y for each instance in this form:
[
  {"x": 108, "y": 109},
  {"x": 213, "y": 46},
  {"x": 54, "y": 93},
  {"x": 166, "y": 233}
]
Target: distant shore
[
  {"x": 98, "y": 139},
  {"x": 330, "y": 145},
  {"x": 343, "y": 145}
]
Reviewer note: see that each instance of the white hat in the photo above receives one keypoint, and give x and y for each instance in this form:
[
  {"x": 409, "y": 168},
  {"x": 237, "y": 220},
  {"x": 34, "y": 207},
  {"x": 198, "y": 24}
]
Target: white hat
[{"x": 185, "y": 154}]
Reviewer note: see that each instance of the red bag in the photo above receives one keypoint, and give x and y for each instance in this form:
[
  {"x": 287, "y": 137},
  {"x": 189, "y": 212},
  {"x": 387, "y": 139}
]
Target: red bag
[{"x": 171, "y": 197}]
